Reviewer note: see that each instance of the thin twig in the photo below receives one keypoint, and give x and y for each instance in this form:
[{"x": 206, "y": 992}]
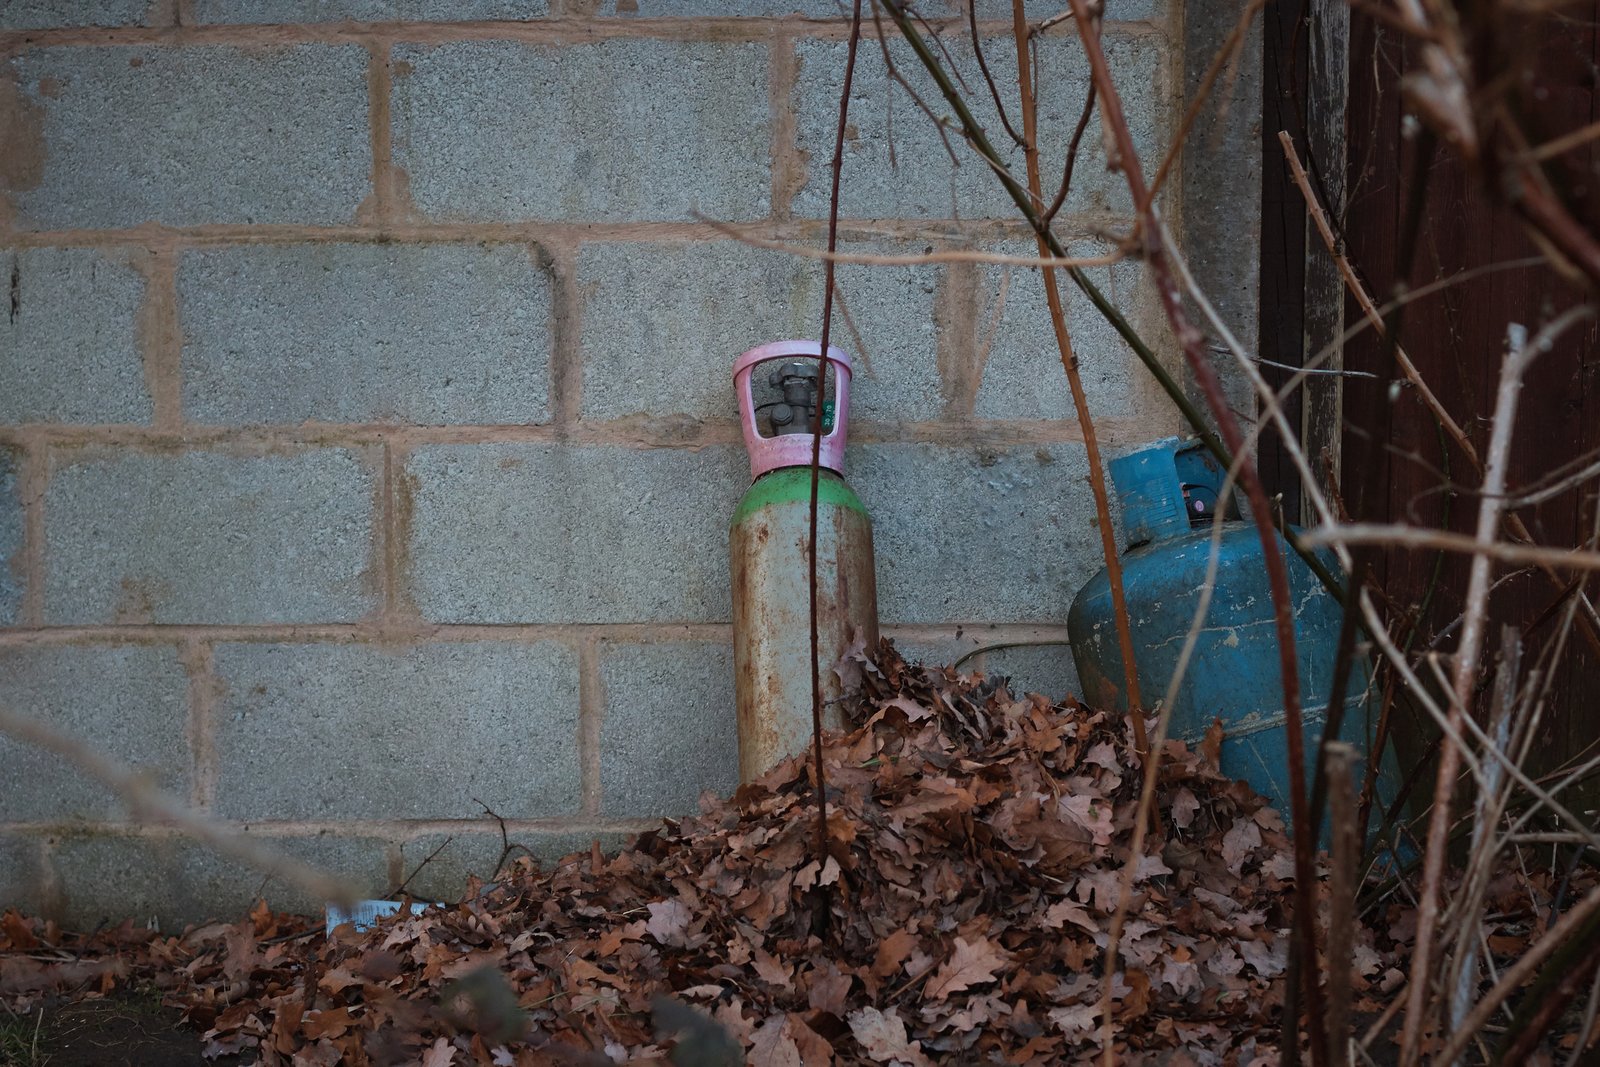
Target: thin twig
[
  {"x": 816, "y": 438},
  {"x": 1271, "y": 402},
  {"x": 1224, "y": 56},
  {"x": 401, "y": 888},
  {"x": 1320, "y": 219},
  {"x": 1590, "y": 1011},
  {"x": 1080, "y": 400},
  {"x": 1072, "y": 156},
  {"x": 1466, "y": 670},
  {"x": 953, "y": 255},
  {"x": 1518, "y": 973},
  {"x": 1399, "y": 536},
  {"x": 1152, "y": 765},
  {"x": 1514, "y": 523},
  {"x": 1193, "y": 345},
  {"x": 1489, "y": 806},
  {"x": 1021, "y": 139},
  {"x": 149, "y": 803},
  {"x": 1342, "y": 884},
  {"x": 1521, "y": 352},
  {"x": 973, "y": 132},
  {"x": 1565, "y": 143}
]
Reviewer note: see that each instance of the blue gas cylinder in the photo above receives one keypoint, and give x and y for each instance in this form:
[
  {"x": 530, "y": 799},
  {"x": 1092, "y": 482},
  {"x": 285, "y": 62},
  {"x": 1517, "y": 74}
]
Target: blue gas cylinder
[{"x": 1169, "y": 493}]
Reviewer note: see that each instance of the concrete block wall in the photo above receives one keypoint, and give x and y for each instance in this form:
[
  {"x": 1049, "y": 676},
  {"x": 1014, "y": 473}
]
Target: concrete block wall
[{"x": 368, "y": 446}]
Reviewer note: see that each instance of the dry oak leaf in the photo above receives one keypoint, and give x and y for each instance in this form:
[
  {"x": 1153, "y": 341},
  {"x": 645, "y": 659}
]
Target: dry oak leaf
[
  {"x": 914, "y": 712},
  {"x": 338, "y": 979},
  {"x": 1268, "y": 960},
  {"x": 441, "y": 1054},
  {"x": 18, "y": 935},
  {"x": 1090, "y": 812},
  {"x": 972, "y": 963},
  {"x": 1237, "y": 844},
  {"x": 668, "y": 921},
  {"x": 815, "y": 1051},
  {"x": 892, "y": 952},
  {"x": 1184, "y": 807},
  {"x": 884, "y": 1038},
  {"x": 771, "y": 1045},
  {"x": 1065, "y": 911},
  {"x": 1074, "y": 1020}
]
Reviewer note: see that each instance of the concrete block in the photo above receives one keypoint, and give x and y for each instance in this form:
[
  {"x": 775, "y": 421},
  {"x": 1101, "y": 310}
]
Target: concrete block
[
  {"x": 938, "y": 651},
  {"x": 662, "y": 324},
  {"x": 273, "y": 11},
  {"x": 669, "y": 732},
  {"x": 414, "y": 732},
  {"x": 976, "y": 534},
  {"x": 840, "y": 9},
  {"x": 1022, "y": 376},
  {"x": 208, "y": 537},
  {"x": 175, "y": 881},
  {"x": 541, "y": 533},
  {"x": 920, "y": 182},
  {"x": 128, "y": 701},
  {"x": 1048, "y": 671},
  {"x": 423, "y": 334},
  {"x": 505, "y": 130},
  {"x": 474, "y": 851},
  {"x": 11, "y": 523},
  {"x": 1220, "y": 181},
  {"x": 68, "y": 348},
  {"x": 1116, "y": 10},
  {"x": 1043, "y": 668},
  {"x": 49, "y": 14},
  {"x": 199, "y": 134},
  {"x": 22, "y": 878},
  {"x": 657, "y": 9}
]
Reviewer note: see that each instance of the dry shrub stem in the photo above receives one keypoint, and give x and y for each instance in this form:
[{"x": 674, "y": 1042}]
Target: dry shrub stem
[
  {"x": 1520, "y": 354},
  {"x": 1344, "y": 880},
  {"x": 1192, "y": 342},
  {"x": 1080, "y": 400},
  {"x": 1562, "y": 934},
  {"x": 816, "y": 437},
  {"x": 1377, "y": 533},
  {"x": 149, "y": 803},
  {"x": 1589, "y": 620},
  {"x": 1488, "y": 808},
  {"x": 972, "y": 131}
]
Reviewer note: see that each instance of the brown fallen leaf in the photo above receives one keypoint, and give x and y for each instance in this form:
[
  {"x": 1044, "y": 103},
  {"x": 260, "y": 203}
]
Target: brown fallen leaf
[
  {"x": 773, "y": 1046},
  {"x": 892, "y": 952},
  {"x": 440, "y": 1054},
  {"x": 972, "y": 963},
  {"x": 883, "y": 1036},
  {"x": 967, "y": 916},
  {"x": 668, "y": 921}
]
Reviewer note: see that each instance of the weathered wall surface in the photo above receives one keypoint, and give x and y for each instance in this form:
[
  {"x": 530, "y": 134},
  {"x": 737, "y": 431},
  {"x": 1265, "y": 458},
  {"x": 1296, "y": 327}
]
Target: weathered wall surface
[{"x": 368, "y": 446}]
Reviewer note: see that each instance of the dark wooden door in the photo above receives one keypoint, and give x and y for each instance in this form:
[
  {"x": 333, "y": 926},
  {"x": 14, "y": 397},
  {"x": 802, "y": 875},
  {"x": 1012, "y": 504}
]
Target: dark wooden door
[{"x": 1491, "y": 275}]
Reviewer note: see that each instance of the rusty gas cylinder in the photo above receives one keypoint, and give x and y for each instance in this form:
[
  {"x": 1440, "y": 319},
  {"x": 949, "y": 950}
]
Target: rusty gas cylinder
[{"x": 778, "y": 389}]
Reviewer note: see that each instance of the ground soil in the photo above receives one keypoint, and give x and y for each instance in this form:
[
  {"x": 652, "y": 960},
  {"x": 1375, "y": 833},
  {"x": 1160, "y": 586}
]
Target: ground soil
[{"x": 131, "y": 1031}]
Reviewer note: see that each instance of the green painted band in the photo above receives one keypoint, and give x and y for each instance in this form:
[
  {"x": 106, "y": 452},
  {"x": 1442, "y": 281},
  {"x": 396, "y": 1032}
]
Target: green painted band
[{"x": 793, "y": 484}]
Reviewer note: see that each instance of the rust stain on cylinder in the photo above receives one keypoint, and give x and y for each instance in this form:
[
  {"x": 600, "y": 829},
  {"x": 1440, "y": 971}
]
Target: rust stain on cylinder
[{"x": 771, "y": 622}]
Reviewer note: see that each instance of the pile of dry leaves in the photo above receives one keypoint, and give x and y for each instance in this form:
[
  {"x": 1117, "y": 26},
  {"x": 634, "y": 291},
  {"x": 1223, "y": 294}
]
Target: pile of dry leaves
[{"x": 975, "y": 844}]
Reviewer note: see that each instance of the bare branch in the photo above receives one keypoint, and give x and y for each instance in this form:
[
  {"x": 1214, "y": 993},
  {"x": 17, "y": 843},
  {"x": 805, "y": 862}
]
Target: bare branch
[
  {"x": 149, "y": 803},
  {"x": 1364, "y": 533},
  {"x": 1518, "y": 973},
  {"x": 954, "y": 255}
]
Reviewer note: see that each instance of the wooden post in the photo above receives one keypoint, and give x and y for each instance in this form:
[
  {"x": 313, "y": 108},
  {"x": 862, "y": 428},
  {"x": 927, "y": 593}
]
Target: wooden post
[{"x": 1327, "y": 89}]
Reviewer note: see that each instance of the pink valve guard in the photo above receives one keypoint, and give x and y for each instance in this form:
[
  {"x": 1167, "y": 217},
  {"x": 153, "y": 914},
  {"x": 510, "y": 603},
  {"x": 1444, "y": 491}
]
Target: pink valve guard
[{"x": 791, "y": 450}]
